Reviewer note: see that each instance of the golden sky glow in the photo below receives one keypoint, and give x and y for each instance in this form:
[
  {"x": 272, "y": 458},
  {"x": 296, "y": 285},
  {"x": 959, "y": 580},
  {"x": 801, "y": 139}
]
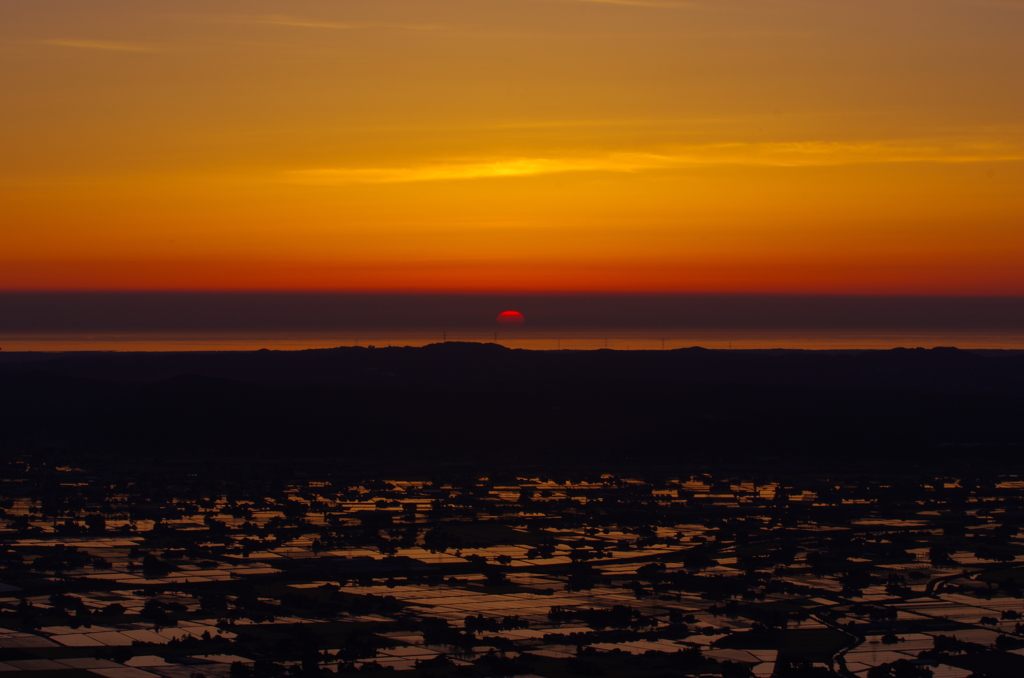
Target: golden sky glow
[{"x": 810, "y": 146}]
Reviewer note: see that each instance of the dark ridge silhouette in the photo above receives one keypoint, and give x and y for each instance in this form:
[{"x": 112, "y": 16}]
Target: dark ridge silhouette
[
  {"x": 481, "y": 403},
  {"x": 934, "y": 370}
]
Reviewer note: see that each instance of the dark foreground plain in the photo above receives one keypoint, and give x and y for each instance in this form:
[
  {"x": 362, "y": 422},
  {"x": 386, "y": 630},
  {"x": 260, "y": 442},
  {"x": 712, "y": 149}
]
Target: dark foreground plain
[
  {"x": 478, "y": 404},
  {"x": 469, "y": 510}
]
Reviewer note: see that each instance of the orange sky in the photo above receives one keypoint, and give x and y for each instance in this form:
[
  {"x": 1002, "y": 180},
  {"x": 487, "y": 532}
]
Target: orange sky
[{"x": 867, "y": 147}]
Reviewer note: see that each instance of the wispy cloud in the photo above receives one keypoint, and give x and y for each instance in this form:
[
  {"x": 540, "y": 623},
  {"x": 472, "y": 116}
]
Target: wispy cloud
[
  {"x": 300, "y": 22},
  {"x": 643, "y": 3},
  {"x": 1001, "y": 4},
  {"x": 797, "y": 154},
  {"x": 506, "y": 167},
  {"x": 109, "y": 45}
]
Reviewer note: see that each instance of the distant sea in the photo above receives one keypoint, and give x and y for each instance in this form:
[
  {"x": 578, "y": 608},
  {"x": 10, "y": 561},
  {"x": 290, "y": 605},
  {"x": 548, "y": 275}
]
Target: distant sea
[{"x": 547, "y": 339}]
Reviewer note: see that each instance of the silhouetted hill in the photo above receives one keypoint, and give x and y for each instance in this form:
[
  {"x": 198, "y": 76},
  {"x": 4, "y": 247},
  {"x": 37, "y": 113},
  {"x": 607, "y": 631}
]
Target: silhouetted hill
[
  {"x": 456, "y": 403},
  {"x": 935, "y": 370}
]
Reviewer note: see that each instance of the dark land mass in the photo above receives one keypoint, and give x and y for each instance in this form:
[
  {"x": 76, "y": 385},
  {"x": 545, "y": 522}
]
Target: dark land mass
[
  {"x": 470, "y": 511},
  {"x": 483, "y": 404}
]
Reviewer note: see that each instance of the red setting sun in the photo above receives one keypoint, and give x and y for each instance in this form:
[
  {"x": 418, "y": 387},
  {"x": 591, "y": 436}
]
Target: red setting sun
[{"x": 511, "y": 318}]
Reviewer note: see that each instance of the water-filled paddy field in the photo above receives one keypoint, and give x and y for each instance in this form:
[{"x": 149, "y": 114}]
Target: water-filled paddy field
[{"x": 261, "y": 575}]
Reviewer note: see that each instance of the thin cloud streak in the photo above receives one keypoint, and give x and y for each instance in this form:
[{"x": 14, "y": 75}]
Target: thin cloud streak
[
  {"x": 800, "y": 154},
  {"x": 999, "y": 4},
  {"x": 101, "y": 45},
  {"x": 669, "y": 4},
  {"x": 299, "y": 22}
]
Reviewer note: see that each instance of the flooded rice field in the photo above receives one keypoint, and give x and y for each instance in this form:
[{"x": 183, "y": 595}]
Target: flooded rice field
[{"x": 179, "y": 575}]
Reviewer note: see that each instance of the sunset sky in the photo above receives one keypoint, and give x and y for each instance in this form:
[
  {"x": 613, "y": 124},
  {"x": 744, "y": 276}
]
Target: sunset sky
[{"x": 754, "y": 146}]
